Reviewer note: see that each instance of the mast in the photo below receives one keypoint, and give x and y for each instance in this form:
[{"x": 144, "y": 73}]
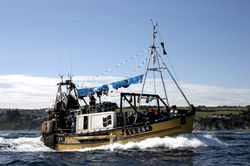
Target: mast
[
  {"x": 153, "y": 59},
  {"x": 159, "y": 66}
]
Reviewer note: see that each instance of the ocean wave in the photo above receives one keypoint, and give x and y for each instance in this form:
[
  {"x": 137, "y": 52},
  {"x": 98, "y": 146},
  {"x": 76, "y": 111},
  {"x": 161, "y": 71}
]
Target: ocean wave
[
  {"x": 22, "y": 144},
  {"x": 167, "y": 142},
  {"x": 187, "y": 141}
]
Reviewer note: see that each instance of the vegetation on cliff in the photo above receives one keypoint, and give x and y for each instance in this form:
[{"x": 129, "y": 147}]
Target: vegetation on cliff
[
  {"x": 22, "y": 119},
  {"x": 222, "y": 118}
]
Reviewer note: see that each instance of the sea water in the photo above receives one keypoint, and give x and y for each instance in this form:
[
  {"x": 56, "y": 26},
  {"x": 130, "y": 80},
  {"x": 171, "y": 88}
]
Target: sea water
[{"x": 197, "y": 148}]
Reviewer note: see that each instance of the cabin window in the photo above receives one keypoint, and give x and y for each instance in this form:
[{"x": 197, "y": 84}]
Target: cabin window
[
  {"x": 107, "y": 121},
  {"x": 85, "y": 122}
]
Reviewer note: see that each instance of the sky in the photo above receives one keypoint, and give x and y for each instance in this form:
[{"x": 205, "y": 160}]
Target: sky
[{"x": 208, "y": 44}]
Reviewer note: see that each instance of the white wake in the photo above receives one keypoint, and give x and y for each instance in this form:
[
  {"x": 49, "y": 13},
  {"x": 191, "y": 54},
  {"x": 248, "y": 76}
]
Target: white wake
[
  {"x": 22, "y": 144},
  {"x": 179, "y": 142},
  {"x": 26, "y": 144}
]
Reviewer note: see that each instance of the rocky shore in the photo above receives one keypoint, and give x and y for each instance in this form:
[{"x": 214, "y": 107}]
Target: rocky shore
[
  {"x": 222, "y": 118},
  {"x": 232, "y": 122}
]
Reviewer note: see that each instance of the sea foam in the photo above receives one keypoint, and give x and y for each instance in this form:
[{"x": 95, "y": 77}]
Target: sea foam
[
  {"x": 179, "y": 142},
  {"x": 22, "y": 144},
  {"x": 187, "y": 141}
]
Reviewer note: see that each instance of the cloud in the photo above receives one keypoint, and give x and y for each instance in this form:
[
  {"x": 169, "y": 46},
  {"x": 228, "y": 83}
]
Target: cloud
[{"x": 24, "y": 91}]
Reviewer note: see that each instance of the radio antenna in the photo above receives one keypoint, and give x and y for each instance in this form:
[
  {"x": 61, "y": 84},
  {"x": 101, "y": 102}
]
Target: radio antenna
[{"x": 61, "y": 76}]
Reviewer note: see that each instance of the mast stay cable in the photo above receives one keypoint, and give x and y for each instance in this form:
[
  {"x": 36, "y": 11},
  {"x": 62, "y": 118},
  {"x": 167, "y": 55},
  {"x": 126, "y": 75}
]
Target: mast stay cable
[{"x": 157, "y": 57}]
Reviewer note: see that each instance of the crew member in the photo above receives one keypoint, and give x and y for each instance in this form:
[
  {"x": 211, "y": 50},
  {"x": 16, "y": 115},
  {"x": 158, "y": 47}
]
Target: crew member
[{"x": 92, "y": 102}]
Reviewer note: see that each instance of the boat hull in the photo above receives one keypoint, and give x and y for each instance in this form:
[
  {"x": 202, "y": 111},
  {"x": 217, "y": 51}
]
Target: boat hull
[{"x": 135, "y": 133}]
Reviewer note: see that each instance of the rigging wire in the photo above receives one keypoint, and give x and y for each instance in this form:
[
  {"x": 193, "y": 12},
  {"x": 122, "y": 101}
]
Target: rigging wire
[
  {"x": 138, "y": 67},
  {"x": 159, "y": 32},
  {"x": 168, "y": 59},
  {"x": 175, "y": 75},
  {"x": 154, "y": 83},
  {"x": 124, "y": 62},
  {"x": 60, "y": 64},
  {"x": 149, "y": 83},
  {"x": 120, "y": 64},
  {"x": 161, "y": 43},
  {"x": 178, "y": 86},
  {"x": 71, "y": 63}
]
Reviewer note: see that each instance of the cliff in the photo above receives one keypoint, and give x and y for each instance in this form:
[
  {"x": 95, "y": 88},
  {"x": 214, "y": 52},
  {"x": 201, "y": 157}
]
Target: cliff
[
  {"x": 22, "y": 119},
  {"x": 233, "y": 122},
  {"x": 222, "y": 118}
]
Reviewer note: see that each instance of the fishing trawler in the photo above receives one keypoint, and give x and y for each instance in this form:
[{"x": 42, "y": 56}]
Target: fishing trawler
[{"x": 73, "y": 126}]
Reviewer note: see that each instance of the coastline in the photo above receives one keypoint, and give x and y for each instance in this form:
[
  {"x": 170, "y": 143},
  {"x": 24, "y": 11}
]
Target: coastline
[{"x": 206, "y": 119}]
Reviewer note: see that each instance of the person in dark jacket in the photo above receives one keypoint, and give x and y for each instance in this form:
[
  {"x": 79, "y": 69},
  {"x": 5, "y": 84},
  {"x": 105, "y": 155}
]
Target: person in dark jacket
[{"x": 92, "y": 102}]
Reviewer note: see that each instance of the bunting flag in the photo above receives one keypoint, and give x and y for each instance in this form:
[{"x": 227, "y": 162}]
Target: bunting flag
[
  {"x": 120, "y": 64},
  {"x": 115, "y": 85},
  {"x": 163, "y": 48}
]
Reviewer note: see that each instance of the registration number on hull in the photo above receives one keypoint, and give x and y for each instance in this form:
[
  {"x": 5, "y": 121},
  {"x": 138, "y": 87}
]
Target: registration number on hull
[{"x": 137, "y": 130}]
